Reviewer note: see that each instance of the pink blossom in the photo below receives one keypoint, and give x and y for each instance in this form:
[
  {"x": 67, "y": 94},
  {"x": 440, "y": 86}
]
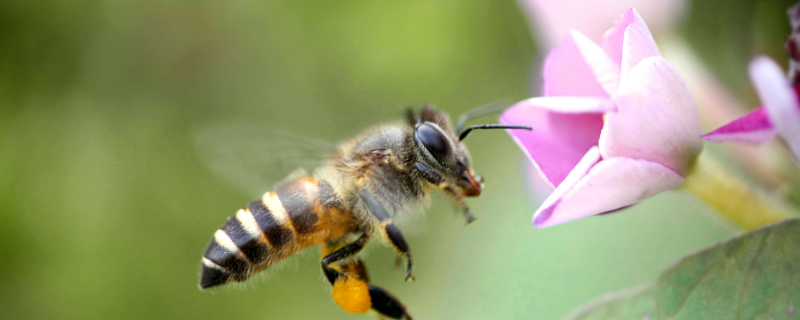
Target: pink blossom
[
  {"x": 780, "y": 113},
  {"x": 551, "y": 20},
  {"x": 616, "y": 125}
]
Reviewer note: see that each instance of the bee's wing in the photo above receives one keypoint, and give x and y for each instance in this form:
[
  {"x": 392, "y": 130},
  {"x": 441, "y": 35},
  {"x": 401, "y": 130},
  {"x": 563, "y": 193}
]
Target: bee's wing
[{"x": 253, "y": 158}]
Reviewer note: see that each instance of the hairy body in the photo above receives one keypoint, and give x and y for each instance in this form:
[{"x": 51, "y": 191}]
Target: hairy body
[{"x": 386, "y": 171}]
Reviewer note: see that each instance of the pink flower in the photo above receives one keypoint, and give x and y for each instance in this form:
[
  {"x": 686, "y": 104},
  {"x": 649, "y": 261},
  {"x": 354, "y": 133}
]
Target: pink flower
[
  {"x": 780, "y": 113},
  {"x": 616, "y": 125}
]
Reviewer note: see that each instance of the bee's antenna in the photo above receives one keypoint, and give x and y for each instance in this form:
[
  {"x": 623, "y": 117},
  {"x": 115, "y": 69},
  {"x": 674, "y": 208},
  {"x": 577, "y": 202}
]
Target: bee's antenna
[
  {"x": 484, "y": 110},
  {"x": 466, "y": 131}
]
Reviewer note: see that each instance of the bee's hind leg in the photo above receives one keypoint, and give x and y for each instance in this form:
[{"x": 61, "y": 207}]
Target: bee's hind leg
[
  {"x": 344, "y": 252},
  {"x": 351, "y": 288},
  {"x": 389, "y": 229},
  {"x": 386, "y": 304}
]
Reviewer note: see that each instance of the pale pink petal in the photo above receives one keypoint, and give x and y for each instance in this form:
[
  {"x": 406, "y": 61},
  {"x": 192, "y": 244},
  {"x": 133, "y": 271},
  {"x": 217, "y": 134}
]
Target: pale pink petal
[
  {"x": 609, "y": 185},
  {"x": 573, "y": 104},
  {"x": 629, "y": 41},
  {"x": 754, "y": 127},
  {"x": 580, "y": 68},
  {"x": 604, "y": 68},
  {"x": 613, "y": 38},
  {"x": 558, "y": 140},
  {"x": 637, "y": 46},
  {"x": 545, "y": 211},
  {"x": 779, "y": 100},
  {"x": 656, "y": 118}
]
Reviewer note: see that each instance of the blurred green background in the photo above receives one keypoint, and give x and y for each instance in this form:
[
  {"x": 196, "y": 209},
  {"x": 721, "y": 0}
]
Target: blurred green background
[{"x": 106, "y": 207}]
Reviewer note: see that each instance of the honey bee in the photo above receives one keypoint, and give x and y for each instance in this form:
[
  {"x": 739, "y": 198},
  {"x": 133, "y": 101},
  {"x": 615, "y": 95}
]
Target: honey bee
[{"x": 387, "y": 171}]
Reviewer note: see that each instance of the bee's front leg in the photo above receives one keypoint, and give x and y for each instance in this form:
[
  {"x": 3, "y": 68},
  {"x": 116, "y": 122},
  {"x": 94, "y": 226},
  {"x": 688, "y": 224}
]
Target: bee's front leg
[
  {"x": 460, "y": 202},
  {"x": 389, "y": 229},
  {"x": 437, "y": 179}
]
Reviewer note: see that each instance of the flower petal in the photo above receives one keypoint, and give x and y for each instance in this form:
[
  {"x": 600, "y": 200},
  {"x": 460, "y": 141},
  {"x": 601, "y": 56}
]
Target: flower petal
[
  {"x": 573, "y": 104},
  {"x": 779, "y": 100},
  {"x": 580, "y": 68},
  {"x": 609, "y": 185},
  {"x": 754, "y": 127},
  {"x": 545, "y": 211},
  {"x": 656, "y": 118},
  {"x": 558, "y": 140},
  {"x": 629, "y": 41},
  {"x": 614, "y": 37},
  {"x": 638, "y": 45}
]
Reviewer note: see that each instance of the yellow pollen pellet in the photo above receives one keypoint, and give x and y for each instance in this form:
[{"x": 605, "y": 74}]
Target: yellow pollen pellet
[{"x": 352, "y": 295}]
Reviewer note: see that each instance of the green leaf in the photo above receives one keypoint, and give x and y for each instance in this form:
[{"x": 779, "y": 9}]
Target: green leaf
[{"x": 755, "y": 276}]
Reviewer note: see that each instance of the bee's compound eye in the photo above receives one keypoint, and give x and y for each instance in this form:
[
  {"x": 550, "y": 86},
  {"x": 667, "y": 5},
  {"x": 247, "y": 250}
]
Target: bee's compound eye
[{"x": 433, "y": 140}]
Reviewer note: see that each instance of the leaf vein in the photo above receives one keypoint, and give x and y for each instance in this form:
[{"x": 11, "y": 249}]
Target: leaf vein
[
  {"x": 695, "y": 285},
  {"x": 748, "y": 273}
]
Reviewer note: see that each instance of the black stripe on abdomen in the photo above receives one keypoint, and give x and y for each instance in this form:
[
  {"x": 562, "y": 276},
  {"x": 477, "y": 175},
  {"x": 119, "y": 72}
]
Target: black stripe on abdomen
[
  {"x": 276, "y": 234},
  {"x": 248, "y": 243},
  {"x": 213, "y": 275},
  {"x": 294, "y": 197},
  {"x": 228, "y": 259}
]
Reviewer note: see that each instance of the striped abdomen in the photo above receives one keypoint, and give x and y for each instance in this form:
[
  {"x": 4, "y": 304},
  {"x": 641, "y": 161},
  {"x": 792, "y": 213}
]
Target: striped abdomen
[{"x": 280, "y": 223}]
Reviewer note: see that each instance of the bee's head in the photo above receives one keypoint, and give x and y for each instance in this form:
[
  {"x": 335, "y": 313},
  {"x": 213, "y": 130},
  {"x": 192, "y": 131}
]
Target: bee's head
[{"x": 439, "y": 148}]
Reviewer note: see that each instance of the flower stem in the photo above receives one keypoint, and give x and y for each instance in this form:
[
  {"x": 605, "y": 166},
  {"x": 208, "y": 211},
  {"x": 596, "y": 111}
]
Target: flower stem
[{"x": 744, "y": 204}]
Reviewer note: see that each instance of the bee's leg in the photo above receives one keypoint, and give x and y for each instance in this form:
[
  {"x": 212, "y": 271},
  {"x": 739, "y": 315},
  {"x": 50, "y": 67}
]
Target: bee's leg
[
  {"x": 350, "y": 290},
  {"x": 460, "y": 202},
  {"x": 349, "y": 250},
  {"x": 389, "y": 229},
  {"x": 384, "y": 303},
  {"x": 457, "y": 198}
]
